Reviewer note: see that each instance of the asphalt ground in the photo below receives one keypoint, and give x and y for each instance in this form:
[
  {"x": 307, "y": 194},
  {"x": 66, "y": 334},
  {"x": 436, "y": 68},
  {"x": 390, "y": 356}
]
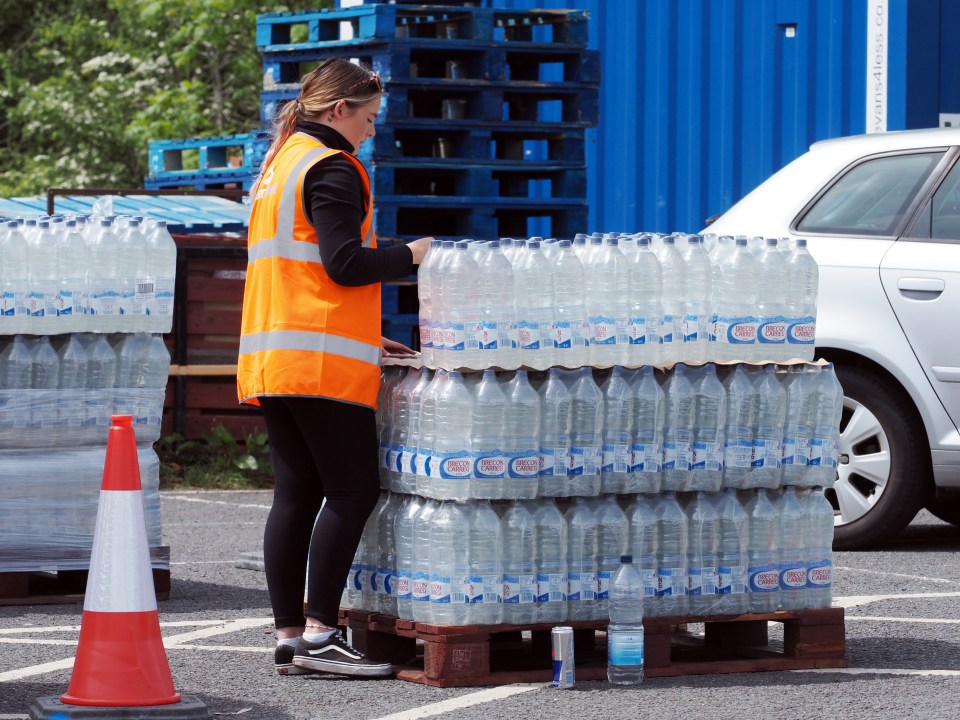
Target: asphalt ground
[{"x": 902, "y": 616}]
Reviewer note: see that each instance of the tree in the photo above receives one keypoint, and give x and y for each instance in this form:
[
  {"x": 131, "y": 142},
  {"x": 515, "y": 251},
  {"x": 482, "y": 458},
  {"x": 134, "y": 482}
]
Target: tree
[{"x": 86, "y": 84}]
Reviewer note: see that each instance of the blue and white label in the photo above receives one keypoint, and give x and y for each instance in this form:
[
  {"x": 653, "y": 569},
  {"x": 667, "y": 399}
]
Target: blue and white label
[
  {"x": 694, "y": 582},
  {"x": 731, "y": 579},
  {"x": 489, "y": 466},
  {"x": 625, "y": 647},
  {"x": 554, "y": 461},
  {"x": 562, "y": 334},
  {"x": 642, "y": 330},
  {"x": 645, "y": 457},
  {"x": 440, "y": 589},
  {"x": 386, "y": 581},
  {"x": 420, "y": 586},
  {"x": 649, "y": 577},
  {"x": 523, "y": 464},
  {"x": 454, "y": 337},
  {"x": 581, "y": 586},
  {"x": 738, "y": 454},
  {"x": 772, "y": 330},
  {"x": 615, "y": 458},
  {"x": 669, "y": 461},
  {"x": 105, "y": 303},
  {"x": 820, "y": 574},
  {"x": 603, "y": 330},
  {"x": 528, "y": 335},
  {"x": 738, "y": 330},
  {"x": 551, "y": 587},
  {"x": 670, "y": 581},
  {"x": 451, "y": 466},
  {"x": 764, "y": 578},
  {"x": 403, "y": 588},
  {"x": 802, "y": 331},
  {"x": 793, "y": 575},
  {"x": 489, "y": 336},
  {"x": 604, "y": 578},
  {"x": 519, "y": 589},
  {"x": 705, "y": 455}
]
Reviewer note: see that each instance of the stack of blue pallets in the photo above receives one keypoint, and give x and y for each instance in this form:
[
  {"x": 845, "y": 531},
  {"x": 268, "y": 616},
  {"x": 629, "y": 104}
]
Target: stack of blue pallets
[
  {"x": 206, "y": 163},
  {"x": 481, "y": 131}
]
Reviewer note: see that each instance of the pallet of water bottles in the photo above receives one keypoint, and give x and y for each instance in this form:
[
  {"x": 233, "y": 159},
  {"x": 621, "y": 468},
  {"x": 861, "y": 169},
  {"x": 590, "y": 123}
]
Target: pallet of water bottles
[
  {"x": 398, "y": 61},
  {"x": 466, "y": 656},
  {"x": 427, "y": 24}
]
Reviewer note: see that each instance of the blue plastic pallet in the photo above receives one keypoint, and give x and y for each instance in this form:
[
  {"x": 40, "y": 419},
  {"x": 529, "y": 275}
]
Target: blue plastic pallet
[
  {"x": 215, "y": 180},
  {"x": 401, "y": 60},
  {"x": 214, "y": 154},
  {"x": 502, "y": 182},
  {"x": 520, "y": 104},
  {"x": 423, "y": 24}
]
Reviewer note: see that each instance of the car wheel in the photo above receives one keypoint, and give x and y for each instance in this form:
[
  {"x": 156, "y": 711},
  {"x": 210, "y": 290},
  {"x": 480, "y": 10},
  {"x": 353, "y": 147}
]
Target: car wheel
[
  {"x": 884, "y": 472},
  {"x": 949, "y": 512}
]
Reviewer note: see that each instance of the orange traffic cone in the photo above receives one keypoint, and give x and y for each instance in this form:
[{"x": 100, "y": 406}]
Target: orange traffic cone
[{"x": 120, "y": 656}]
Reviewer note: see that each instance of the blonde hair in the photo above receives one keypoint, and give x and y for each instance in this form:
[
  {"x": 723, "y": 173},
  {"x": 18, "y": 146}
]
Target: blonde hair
[{"x": 321, "y": 89}]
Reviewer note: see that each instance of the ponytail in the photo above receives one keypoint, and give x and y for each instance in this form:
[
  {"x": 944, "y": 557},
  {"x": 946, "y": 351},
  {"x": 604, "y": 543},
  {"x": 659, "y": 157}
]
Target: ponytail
[{"x": 284, "y": 125}]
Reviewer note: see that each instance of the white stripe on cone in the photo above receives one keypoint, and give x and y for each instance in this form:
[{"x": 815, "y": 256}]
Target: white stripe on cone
[{"x": 120, "y": 578}]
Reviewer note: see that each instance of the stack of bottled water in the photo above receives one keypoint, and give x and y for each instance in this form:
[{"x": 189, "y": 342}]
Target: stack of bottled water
[
  {"x": 86, "y": 274},
  {"x": 616, "y": 299},
  {"x": 552, "y": 560},
  {"x": 451, "y": 435}
]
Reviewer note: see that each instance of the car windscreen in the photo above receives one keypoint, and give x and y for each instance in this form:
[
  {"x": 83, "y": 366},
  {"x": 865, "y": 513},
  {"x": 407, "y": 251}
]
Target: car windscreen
[{"x": 871, "y": 197}]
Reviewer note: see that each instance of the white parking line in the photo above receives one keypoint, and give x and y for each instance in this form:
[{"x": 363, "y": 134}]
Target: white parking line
[
  {"x": 922, "y": 578},
  {"x": 850, "y": 601},
  {"x": 464, "y": 701},
  {"x": 877, "y": 618},
  {"x": 883, "y": 671},
  {"x": 205, "y": 501}
]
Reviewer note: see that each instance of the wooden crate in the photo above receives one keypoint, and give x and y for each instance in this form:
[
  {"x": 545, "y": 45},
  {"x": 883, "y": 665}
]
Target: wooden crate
[
  {"x": 61, "y": 587},
  {"x": 502, "y": 654}
]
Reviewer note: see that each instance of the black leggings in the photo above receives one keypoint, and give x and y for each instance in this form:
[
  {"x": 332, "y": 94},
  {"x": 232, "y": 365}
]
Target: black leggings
[{"x": 321, "y": 449}]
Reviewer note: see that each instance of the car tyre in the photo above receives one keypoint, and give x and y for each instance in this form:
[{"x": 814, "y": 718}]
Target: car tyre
[
  {"x": 949, "y": 512},
  {"x": 884, "y": 474}
]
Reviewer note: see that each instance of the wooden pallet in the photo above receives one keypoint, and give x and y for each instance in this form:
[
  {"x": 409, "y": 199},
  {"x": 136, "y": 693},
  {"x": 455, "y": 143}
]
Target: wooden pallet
[
  {"x": 502, "y": 654},
  {"x": 62, "y": 587}
]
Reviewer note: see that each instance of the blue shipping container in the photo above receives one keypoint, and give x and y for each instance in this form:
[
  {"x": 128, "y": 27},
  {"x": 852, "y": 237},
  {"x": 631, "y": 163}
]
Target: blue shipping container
[{"x": 701, "y": 100}]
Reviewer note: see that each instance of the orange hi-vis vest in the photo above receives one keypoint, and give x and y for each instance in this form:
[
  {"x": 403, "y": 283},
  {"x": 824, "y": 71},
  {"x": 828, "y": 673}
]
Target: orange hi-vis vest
[{"x": 303, "y": 334}]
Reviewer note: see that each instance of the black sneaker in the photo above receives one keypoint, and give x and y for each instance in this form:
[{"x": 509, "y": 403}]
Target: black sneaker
[
  {"x": 333, "y": 655},
  {"x": 283, "y": 661}
]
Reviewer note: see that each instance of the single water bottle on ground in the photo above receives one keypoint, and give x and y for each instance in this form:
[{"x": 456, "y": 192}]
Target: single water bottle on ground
[{"x": 625, "y": 631}]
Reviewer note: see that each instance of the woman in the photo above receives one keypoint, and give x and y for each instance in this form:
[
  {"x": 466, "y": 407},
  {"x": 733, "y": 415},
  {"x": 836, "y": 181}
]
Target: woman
[{"x": 310, "y": 351}]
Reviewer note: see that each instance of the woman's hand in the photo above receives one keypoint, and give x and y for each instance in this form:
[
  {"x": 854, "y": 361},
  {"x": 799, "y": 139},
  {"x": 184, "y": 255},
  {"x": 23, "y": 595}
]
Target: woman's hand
[
  {"x": 392, "y": 347},
  {"x": 419, "y": 249}
]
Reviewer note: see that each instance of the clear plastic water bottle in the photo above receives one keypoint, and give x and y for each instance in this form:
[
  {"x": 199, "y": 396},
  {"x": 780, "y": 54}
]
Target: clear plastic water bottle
[
  {"x": 71, "y": 383},
  {"x": 772, "y": 304},
  {"x": 387, "y": 554},
  {"x": 449, "y": 571},
  {"x": 819, "y": 549},
  {"x": 768, "y": 442},
  {"x": 400, "y": 459},
  {"x": 370, "y": 591},
  {"x": 706, "y": 456},
  {"x": 612, "y": 535},
  {"x": 101, "y": 380},
  {"x": 440, "y": 291},
  {"x": 678, "y": 426},
  {"x": 422, "y": 608},
  {"x": 827, "y": 407},
  {"x": 484, "y": 594},
  {"x": 521, "y": 438},
  {"x": 803, "y": 282},
  {"x": 646, "y": 445},
  {"x": 702, "y": 556},
  {"x": 571, "y": 328},
  {"x": 104, "y": 280},
  {"x": 698, "y": 330},
  {"x": 131, "y": 354},
  {"x": 427, "y": 457},
  {"x": 137, "y": 291},
  {"x": 555, "y": 424},
  {"x": 425, "y": 283},
  {"x": 796, "y": 425},
  {"x": 461, "y": 327},
  {"x": 793, "y": 561},
  {"x": 43, "y": 411},
  {"x": 608, "y": 306},
  {"x": 763, "y": 556},
  {"x": 672, "y": 538},
  {"x": 643, "y": 542},
  {"x": 163, "y": 270},
  {"x": 487, "y": 443},
  {"x": 404, "y": 534},
  {"x": 534, "y": 284},
  {"x": 517, "y": 533},
  {"x": 498, "y": 309},
  {"x": 646, "y": 286},
  {"x": 736, "y": 327},
  {"x": 618, "y": 402},
  {"x": 740, "y": 428},
  {"x": 673, "y": 301},
  {"x": 581, "y": 561},
  {"x": 44, "y": 283},
  {"x": 408, "y": 477},
  {"x": 453, "y": 467},
  {"x": 625, "y": 631},
  {"x": 549, "y": 559},
  {"x": 72, "y": 264},
  {"x": 586, "y": 435},
  {"x": 15, "y": 278},
  {"x": 732, "y": 547},
  {"x": 390, "y": 378}
]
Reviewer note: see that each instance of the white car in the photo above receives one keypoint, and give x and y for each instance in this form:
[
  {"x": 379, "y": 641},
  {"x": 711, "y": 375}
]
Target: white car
[{"x": 882, "y": 217}]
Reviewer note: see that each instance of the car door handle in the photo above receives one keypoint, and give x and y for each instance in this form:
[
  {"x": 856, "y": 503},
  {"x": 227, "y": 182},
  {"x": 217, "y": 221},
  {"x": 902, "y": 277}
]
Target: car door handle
[
  {"x": 946, "y": 374},
  {"x": 921, "y": 288}
]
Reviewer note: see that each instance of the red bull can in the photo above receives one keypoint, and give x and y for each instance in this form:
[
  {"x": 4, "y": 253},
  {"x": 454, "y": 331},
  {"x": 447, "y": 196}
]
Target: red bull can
[{"x": 561, "y": 641}]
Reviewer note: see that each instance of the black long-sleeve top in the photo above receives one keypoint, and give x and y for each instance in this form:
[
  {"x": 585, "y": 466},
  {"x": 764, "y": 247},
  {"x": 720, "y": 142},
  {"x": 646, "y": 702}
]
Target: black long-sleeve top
[{"x": 333, "y": 203}]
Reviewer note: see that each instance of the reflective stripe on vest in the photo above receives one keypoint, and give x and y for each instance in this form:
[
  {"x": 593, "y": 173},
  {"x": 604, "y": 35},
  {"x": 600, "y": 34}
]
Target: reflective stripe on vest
[{"x": 303, "y": 334}]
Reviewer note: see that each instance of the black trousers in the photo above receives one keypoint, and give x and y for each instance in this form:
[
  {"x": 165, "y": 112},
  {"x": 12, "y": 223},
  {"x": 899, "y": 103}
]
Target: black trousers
[{"x": 321, "y": 450}]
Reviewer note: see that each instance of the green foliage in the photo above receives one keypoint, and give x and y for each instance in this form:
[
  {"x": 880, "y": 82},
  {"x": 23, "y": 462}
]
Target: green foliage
[
  {"x": 217, "y": 461},
  {"x": 86, "y": 84}
]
